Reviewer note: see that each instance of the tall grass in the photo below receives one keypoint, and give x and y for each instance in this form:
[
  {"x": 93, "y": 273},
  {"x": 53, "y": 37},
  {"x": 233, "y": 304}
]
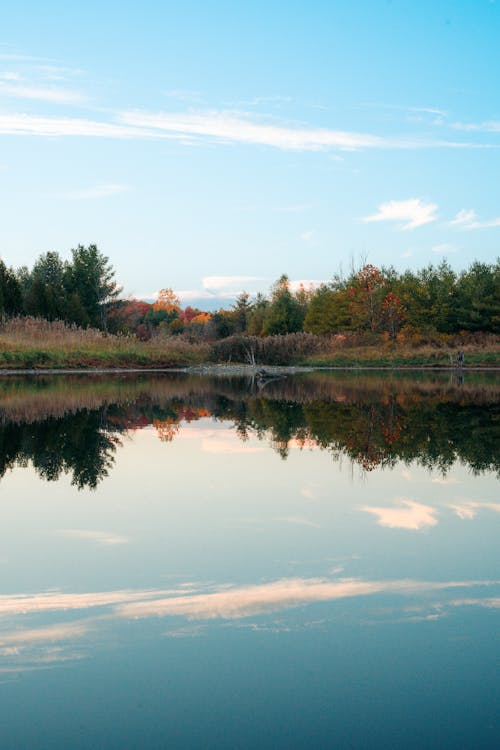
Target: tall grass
[
  {"x": 34, "y": 342},
  {"x": 27, "y": 343}
]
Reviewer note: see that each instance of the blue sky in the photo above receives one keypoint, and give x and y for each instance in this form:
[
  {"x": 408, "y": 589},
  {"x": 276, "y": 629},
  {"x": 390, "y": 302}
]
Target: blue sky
[{"x": 212, "y": 146}]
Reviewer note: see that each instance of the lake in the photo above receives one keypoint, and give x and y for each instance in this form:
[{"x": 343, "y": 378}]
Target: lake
[{"x": 200, "y": 562}]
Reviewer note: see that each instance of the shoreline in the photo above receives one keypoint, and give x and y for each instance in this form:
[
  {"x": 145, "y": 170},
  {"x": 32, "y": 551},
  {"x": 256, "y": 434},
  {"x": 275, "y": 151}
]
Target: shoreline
[{"x": 245, "y": 370}]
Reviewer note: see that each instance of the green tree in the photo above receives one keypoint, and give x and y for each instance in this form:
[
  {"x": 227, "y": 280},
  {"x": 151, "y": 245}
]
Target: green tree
[
  {"x": 10, "y": 291},
  {"x": 478, "y": 298},
  {"x": 91, "y": 276},
  {"x": 285, "y": 314},
  {"x": 328, "y": 311},
  {"x": 45, "y": 289}
]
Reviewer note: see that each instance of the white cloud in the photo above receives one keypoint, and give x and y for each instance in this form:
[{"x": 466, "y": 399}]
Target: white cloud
[
  {"x": 10, "y": 76},
  {"x": 243, "y": 127},
  {"x": 50, "y": 633},
  {"x": 489, "y": 126},
  {"x": 468, "y": 219},
  {"x": 23, "y": 124},
  {"x": 465, "y": 216},
  {"x": 409, "y": 515},
  {"x": 192, "y": 128},
  {"x": 465, "y": 512},
  {"x": 41, "y": 93},
  {"x": 239, "y": 127},
  {"x": 99, "y": 191},
  {"x": 216, "y": 283},
  {"x": 468, "y": 509},
  {"x": 409, "y": 214},
  {"x": 244, "y": 601},
  {"x": 188, "y": 295},
  {"x": 54, "y": 601}
]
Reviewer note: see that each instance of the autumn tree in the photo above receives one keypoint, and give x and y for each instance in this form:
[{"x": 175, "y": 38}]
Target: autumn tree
[
  {"x": 366, "y": 295},
  {"x": 393, "y": 314},
  {"x": 167, "y": 300}
]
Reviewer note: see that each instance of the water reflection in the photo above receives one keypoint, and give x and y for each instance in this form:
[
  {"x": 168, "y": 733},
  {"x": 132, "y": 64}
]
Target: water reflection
[{"x": 75, "y": 425}]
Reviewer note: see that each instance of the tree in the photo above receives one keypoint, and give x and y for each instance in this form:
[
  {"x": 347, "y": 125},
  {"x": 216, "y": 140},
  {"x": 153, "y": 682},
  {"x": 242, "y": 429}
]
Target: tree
[
  {"x": 478, "y": 298},
  {"x": 366, "y": 294},
  {"x": 328, "y": 311},
  {"x": 91, "y": 276},
  {"x": 168, "y": 301},
  {"x": 257, "y": 316},
  {"x": 392, "y": 314},
  {"x": 242, "y": 309},
  {"x": 46, "y": 294},
  {"x": 285, "y": 314},
  {"x": 10, "y": 291}
]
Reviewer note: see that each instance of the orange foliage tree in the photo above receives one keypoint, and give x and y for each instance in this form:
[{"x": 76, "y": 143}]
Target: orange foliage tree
[{"x": 167, "y": 300}]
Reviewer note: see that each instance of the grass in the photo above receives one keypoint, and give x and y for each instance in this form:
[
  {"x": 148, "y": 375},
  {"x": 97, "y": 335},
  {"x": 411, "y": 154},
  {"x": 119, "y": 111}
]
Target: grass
[
  {"x": 33, "y": 343},
  {"x": 421, "y": 356}
]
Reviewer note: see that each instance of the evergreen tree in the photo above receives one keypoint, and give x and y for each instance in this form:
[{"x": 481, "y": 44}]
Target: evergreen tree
[
  {"x": 285, "y": 314},
  {"x": 91, "y": 276}
]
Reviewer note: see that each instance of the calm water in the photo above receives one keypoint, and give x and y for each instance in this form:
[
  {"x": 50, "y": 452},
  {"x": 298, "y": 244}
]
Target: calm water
[{"x": 193, "y": 562}]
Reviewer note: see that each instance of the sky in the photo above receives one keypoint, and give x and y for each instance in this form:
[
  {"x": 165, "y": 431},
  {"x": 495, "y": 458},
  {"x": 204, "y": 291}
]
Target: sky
[{"x": 212, "y": 146}]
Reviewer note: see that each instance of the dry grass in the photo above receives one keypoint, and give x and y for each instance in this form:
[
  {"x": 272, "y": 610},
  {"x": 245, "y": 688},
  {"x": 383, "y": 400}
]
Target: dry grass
[
  {"x": 37, "y": 343},
  {"x": 27, "y": 343}
]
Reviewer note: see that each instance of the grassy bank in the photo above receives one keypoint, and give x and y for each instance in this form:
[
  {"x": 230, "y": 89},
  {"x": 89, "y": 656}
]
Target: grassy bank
[
  {"x": 28, "y": 343},
  {"x": 33, "y": 343},
  {"x": 400, "y": 357}
]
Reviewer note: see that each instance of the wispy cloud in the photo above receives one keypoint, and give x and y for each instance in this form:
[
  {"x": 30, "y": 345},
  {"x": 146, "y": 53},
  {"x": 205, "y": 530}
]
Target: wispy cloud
[
  {"x": 464, "y": 217},
  {"x": 50, "y": 633},
  {"x": 488, "y": 126},
  {"x": 243, "y": 128},
  {"x": 409, "y": 515},
  {"x": 190, "y": 295},
  {"x": 216, "y": 283},
  {"x": 409, "y": 214},
  {"x": 468, "y": 509},
  {"x": 235, "y": 602},
  {"x": 98, "y": 191},
  {"x": 106, "y": 538},
  {"x": 24, "y": 124},
  {"x": 195, "y": 127},
  {"x": 54, "y": 601},
  {"x": 468, "y": 219},
  {"x": 41, "y": 93}
]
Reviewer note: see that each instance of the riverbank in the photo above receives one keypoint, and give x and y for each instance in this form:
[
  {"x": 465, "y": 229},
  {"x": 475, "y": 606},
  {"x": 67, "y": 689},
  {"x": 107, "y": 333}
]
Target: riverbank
[{"x": 34, "y": 345}]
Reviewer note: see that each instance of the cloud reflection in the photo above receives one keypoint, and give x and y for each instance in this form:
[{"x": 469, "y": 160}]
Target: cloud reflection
[
  {"x": 409, "y": 515},
  {"x": 107, "y": 538},
  {"x": 245, "y": 601}
]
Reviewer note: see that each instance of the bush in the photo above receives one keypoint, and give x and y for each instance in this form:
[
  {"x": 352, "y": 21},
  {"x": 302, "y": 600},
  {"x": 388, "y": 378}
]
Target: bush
[{"x": 271, "y": 350}]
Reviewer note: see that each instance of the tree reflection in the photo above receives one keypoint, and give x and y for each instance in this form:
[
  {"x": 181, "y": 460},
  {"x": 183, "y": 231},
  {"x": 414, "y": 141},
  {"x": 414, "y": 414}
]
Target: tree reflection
[{"x": 74, "y": 426}]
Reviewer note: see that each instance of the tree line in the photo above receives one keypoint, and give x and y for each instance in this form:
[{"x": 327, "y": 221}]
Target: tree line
[
  {"x": 83, "y": 291},
  {"x": 80, "y": 291}
]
